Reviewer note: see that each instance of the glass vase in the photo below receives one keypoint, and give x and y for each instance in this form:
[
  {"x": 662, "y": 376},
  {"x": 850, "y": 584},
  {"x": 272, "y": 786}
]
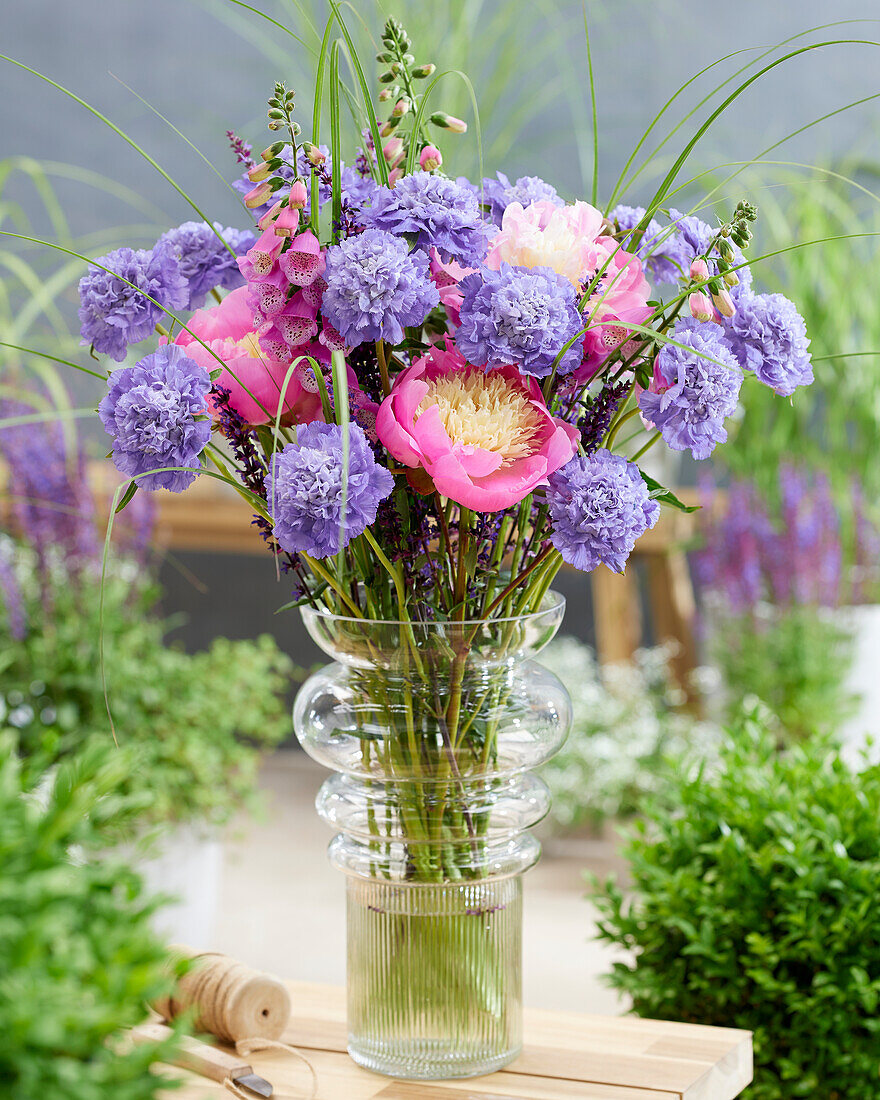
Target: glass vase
[{"x": 431, "y": 729}]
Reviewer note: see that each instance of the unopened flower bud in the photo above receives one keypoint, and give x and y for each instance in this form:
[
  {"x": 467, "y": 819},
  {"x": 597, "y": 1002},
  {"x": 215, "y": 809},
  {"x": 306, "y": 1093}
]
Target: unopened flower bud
[
  {"x": 256, "y": 197},
  {"x": 700, "y": 305},
  {"x": 699, "y": 270},
  {"x": 449, "y": 122},
  {"x": 393, "y": 151},
  {"x": 421, "y": 71},
  {"x": 298, "y": 195},
  {"x": 731, "y": 278},
  {"x": 287, "y": 220},
  {"x": 314, "y": 155},
  {"x": 724, "y": 303},
  {"x": 259, "y": 171},
  {"x": 430, "y": 158},
  {"x": 273, "y": 151},
  {"x": 394, "y": 176},
  {"x": 390, "y": 126},
  {"x": 386, "y": 77},
  {"x": 385, "y": 95},
  {"x": 401, "y": 107},
  {"x": 725, "y": 249},
  {"x": 268, "y": 219}
]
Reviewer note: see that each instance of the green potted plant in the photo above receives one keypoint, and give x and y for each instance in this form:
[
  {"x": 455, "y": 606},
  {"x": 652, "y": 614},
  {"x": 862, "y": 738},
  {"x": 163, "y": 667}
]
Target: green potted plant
[
  {"x": 79, "y": 956},
  {"x": 754, "y": 905},
  {"x": 84, "y": 657}
]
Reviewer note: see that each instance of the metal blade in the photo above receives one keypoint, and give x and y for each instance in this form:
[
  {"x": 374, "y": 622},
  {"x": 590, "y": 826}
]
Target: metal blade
[{"x": 256, "y": 1084}]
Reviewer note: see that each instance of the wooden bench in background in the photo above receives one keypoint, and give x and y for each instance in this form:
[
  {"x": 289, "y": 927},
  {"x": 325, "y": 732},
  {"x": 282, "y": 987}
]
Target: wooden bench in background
[
  {"x": 566, "y": 1057},
  {"x": 210, "y": 516}
]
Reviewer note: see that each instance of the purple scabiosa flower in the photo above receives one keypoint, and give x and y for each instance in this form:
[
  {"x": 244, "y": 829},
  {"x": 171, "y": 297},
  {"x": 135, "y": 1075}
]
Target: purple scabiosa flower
[
  {"x": 662, "y": 250},
  {"x": 157, "y": 415},
  {"x": 769, "y": 337},
  {"x": 599, "y": 506},
  {"x": 114, "y": 313},
  {"x": 357, "y": 189},
  {"x": 305, "y": 490},
  {"x": 695, "y": 388},
  {"x": 499, "y": 193},
  {"x": 205, "y": 261},
  {"x": 375, "y": 286},
  {"x": 436, "y": 211},
  {"x": 519, "y": 315}
]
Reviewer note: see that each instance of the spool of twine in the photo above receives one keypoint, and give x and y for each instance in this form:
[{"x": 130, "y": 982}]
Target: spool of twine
[{"x": 230, "y": 1000}]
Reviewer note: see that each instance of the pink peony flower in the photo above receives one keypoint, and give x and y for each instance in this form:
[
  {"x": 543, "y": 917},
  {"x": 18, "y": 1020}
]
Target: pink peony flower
[
  {"x": 563, "y": 238},
  {"x": 621, "y": 301},
  {"x": 253, "y": 377},
  {"x": 486, "y": 438}
]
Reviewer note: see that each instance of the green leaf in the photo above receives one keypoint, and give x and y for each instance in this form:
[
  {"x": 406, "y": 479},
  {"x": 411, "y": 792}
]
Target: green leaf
[
  {"x": 666, "y": 496},
  {"x": 127, "y": 497}
]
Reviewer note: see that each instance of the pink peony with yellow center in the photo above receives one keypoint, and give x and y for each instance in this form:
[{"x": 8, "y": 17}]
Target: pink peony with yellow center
[{"x": 486, "y": 438}]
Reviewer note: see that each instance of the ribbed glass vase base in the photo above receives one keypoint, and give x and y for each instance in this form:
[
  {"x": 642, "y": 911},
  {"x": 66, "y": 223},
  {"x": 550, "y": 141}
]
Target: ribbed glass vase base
[{"x": 434, "y": 976}]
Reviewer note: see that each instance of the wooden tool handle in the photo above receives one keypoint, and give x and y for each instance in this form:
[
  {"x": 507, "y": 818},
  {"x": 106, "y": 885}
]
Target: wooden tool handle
[{"x": 207, "y": 1061}]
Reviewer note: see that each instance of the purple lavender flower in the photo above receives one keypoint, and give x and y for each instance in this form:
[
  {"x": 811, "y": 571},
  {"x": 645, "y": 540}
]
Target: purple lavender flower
[
  {"x": 436, "y": 212},
  {"x": 518, "y": 315},
  {"x": 305, "y": 490},
  {"x": 51, "y": 502},
  {"x": 663, "y": 251},
  {"x": 375, "y": 286},
  {"x": 500, "y": 193},
  {"x": 11, "y": 598},
  {"x": 695, "y": 389},
  {"x": 599, "y": 508},
  {"x": 114, "y": 313},
  {"x": 205, "y": 261},
  {"x": 156, "y": 414},
  {"x": 769, "y": 336}
]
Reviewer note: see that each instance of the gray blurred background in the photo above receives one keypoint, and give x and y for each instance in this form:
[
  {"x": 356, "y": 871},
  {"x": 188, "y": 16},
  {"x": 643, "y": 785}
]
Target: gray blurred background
[{"x": 208, "y": 66}]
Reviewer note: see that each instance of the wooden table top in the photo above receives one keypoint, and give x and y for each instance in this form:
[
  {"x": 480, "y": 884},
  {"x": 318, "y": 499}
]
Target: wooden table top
[{"x": 566, "y": 1057}]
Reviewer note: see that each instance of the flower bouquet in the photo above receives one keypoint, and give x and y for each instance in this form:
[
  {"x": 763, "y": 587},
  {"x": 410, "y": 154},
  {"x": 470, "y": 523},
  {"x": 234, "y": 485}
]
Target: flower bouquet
[{"x": 433, "y": 393}]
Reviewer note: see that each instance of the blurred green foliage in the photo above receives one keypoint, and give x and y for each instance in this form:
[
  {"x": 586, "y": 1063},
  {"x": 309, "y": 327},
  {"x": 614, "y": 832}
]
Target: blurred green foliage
[
  {"x": 192, "y": 727},
  {"x": 795, "y": 660},
  {"x": 834, "y": 424},
  {"x": 79, "y": 960},
  {"x": 755, "y": 906}
]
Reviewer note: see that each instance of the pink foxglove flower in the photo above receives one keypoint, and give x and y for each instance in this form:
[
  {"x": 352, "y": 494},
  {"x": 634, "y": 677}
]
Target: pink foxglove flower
[
  {"x": 485, "y": 437},
  {"x": 254, "y": 378},
  {"x": 620, "y": 301}
]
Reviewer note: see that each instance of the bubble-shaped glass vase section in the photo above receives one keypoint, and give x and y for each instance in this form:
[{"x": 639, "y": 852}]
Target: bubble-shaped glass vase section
[{"x": 431, "y": 729}]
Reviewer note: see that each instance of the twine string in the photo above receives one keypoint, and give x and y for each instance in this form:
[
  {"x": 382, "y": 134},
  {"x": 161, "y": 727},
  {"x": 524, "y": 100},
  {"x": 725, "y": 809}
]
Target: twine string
[{"x": 246, "y": 1047}]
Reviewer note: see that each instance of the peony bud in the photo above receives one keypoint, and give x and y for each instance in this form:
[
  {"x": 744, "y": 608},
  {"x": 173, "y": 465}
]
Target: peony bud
[
  {"x": 724, "y": 303},
  {"x": 449, "y": 122},
  {"x": 430, "y": 158},
  {"x": 700, "y": 305},
  {"x": 699, "y": 271},
  {"x": 298, "y": 195}
]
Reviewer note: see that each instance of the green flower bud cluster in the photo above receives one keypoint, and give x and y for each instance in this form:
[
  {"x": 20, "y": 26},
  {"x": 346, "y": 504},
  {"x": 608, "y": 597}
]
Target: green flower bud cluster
[
  {"x": 734, "y": 232},
  {"x": 398, "y": 82}
]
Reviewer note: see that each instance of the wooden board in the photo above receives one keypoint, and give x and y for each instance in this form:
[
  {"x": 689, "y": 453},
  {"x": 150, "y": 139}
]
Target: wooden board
[{"x": 566, "y": 1057}]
